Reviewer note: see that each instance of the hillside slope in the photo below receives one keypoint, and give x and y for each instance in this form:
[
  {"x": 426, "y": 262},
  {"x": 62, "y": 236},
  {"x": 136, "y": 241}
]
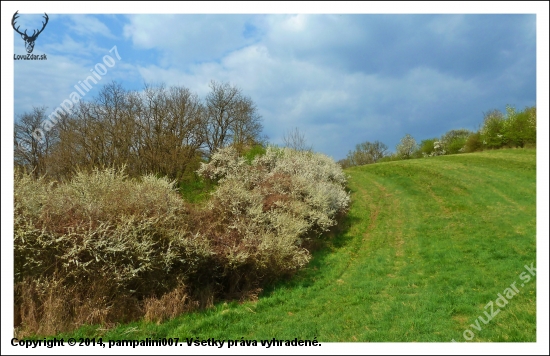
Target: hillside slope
[{"x": 426, "y": 249}]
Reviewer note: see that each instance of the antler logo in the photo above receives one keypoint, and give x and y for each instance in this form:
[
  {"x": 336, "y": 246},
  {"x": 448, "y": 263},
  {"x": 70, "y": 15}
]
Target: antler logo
[{"x": 29, "y": 40}]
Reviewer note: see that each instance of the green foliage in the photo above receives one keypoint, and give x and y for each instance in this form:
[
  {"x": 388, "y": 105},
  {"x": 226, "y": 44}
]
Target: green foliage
[
  {"x": 492, "y": 130},
  {"x": 473, "y": 143},
  {"x": 253, "y": 152},
  {"x": 426, "y": 147},
  {"x": 196, "y": 189},
  {"x": 454, "y": 140},
  {"x": 520, "y": 127},
  {"x": 516, "y": 129}
]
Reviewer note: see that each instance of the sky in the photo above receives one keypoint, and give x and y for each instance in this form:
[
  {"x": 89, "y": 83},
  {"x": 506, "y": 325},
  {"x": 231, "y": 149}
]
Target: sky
[
  {"x": 340, "y": 78},
  {"x": 341, "y": 73}
]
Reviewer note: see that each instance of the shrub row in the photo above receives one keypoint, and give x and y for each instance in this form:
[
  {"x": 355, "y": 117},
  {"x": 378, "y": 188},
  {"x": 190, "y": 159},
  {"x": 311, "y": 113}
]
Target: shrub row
[
  {"x": 103, "y": 242},
  {"x": 510, "y": 130}
]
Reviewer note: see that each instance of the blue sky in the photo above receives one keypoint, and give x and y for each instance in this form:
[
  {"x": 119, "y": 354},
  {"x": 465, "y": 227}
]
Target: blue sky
[{"x": 341, "y": 79}]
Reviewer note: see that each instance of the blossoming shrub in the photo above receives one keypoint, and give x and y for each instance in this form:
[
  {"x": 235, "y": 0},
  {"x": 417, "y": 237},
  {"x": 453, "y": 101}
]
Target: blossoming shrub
[
  {"x": 100, "y": 237},
  {"x": 262, "y": 212},
  {"x": 103, "y": 248}
]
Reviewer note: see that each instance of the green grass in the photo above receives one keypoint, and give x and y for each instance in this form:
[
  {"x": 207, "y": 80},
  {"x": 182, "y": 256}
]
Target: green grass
[
  {"x": 195, "y": 190},
  {"x": 427, "y": 244}
]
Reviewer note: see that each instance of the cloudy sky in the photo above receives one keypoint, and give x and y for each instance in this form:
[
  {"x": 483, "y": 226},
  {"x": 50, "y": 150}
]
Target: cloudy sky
[
  {"x": 341, "y": 73},
  {"x": 341, "y": 79}
]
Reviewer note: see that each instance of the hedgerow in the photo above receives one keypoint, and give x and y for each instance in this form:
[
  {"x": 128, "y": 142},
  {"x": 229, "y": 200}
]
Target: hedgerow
[
  {"x": 104, "y": 248},
  {"x": 100, "y": 236}
]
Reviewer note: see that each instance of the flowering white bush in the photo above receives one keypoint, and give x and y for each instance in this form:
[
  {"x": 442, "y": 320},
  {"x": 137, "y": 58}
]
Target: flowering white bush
[
  {"x": 102, "y": 248},
  {"x": 438, "y": 149},
  {"x": 270, "y": 206},
  {"x": 132, "y": 237},
  {"x": 312, "y": 179}
]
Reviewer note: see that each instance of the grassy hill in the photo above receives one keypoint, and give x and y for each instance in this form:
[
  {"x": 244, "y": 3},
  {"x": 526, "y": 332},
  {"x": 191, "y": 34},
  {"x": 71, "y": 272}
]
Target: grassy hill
[{"x": 430, "y": 250}]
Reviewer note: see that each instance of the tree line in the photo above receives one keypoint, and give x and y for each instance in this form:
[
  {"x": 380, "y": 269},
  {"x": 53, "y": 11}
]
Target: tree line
[
  {"x": 162, "y": 130},
  {"x": 498, "y": 130}
]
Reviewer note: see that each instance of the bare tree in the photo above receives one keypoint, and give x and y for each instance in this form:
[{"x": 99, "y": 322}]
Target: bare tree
[
  {"x": 296, "y": 140},
  {"x": 231, "y": 118},
  {"x": 32, "y": 142},
  {"x": 247, "y": 127},
  {"x": 158, "y": 130},
  {"x": 367, "y": 153},
  {"x": 171, "y": 130},
  {"x": 99, "y": 133}
]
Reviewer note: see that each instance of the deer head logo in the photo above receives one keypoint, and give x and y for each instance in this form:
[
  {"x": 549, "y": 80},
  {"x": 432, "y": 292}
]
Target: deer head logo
[{"x": 29, "y": 40}]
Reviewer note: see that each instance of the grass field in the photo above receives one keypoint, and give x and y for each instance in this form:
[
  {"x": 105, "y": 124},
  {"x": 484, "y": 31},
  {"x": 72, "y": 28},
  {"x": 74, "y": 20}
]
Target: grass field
[{"x": 426, "y": 249}]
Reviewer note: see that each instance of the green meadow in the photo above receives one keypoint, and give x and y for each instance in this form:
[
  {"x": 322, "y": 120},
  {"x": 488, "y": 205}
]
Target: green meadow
[{"x": 431, "y": 250}]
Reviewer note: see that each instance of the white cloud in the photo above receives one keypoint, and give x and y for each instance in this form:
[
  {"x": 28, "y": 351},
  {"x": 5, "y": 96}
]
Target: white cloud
[
  {"x": 51, "y": 81},
  {"x": 186, "y": 39},
  {"x": 88, "y": 25},
  {"x": 74, "y": 48}
]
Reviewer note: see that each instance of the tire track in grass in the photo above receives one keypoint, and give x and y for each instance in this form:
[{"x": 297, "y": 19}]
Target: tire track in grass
[
  {"x": 408, "y": 301},
  {"x": 381, "y": 202},
  {"x": 381, "y": 256}
]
